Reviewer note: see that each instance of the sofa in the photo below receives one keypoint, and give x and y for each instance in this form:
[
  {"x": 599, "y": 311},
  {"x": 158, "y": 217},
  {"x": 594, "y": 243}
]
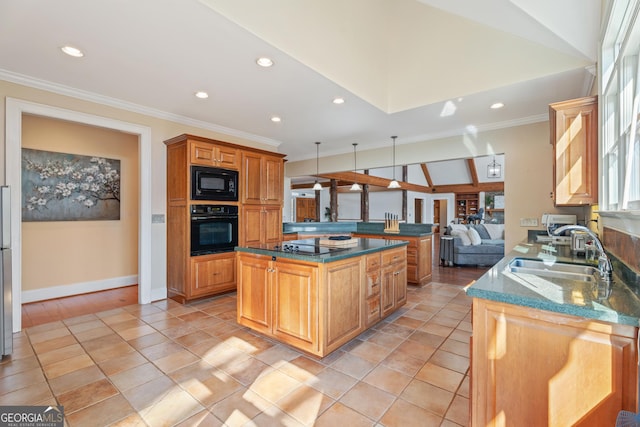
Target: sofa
[{"x": 476, "y": 244}]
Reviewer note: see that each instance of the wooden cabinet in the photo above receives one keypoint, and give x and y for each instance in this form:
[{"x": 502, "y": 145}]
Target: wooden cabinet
[
  {"x": 260, "y": 224},
  {"x": 393, "y": 291},
  {"x": 574, "y": 136},
  {"x": 466, "y": 204},
  {"x": 419, "y": 256},
  {"x": 189, "y": 277},
  {"x": 372, "y": 291},
  {"x": 534, "y": 367},
  {"x": 262, "y": 179},
  {"x": 210, "y": 154},
  {"x": 213, "y": 274},
  {"x": 305, "y": 209},
  {"x": 316, "y": 307}
]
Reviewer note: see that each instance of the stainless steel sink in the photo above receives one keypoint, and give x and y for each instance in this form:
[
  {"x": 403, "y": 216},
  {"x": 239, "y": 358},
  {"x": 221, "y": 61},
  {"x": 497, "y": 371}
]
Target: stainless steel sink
[{"x": 558, "y": 270}]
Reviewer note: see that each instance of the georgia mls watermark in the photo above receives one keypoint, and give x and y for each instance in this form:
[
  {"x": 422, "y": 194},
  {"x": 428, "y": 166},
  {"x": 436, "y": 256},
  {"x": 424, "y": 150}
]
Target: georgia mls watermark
[{"x": 31, "y": 416}]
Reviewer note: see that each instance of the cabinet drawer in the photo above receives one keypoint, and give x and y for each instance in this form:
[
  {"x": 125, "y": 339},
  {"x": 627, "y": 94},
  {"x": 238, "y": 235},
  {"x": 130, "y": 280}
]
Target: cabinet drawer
[
  {"x": 373, "y": 310},
  {"x": 392, "y": 256},
  {"x": 373, "y": 261}
]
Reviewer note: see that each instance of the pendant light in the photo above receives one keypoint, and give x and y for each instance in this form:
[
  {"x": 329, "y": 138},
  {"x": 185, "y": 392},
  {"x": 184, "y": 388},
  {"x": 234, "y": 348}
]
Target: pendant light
[
  {"x": 317, "y": 186},
  {"x": 494, "y": 169},
  {"x": 355, "y": 186},
  {"x": 394, "y": 183}
]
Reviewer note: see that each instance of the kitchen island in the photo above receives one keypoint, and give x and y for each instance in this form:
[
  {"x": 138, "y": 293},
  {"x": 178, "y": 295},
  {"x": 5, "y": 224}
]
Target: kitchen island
[
  {"x": 549, "y": 348},
  {"x": 316, "y": 297}
]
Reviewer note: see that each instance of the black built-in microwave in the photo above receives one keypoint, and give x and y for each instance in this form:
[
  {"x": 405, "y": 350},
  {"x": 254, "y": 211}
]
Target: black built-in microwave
[{"x": 208, "y": 183}]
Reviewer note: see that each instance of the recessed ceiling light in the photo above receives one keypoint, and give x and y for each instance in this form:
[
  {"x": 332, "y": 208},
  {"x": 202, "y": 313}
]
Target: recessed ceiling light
[
  {"x": 276, "y": 119},
  {"x": 497, "y": 105},
  {"x": 202, "y": 95},
  {"x": 264, "y": 62},
  {"x": 72, "y": 51},
  {"x": 338, "y": 100}
]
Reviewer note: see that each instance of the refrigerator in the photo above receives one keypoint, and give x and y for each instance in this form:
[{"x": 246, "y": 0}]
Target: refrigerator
[{"x": 6, "y": 319}]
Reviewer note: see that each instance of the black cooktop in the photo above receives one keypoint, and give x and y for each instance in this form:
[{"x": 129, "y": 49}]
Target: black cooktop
[{"x": 302, "y": 247}]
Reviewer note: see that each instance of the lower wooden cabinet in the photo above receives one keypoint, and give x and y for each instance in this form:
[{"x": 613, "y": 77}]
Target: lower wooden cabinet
[
  {"x": 315, "y": 307},
  {"x": 419, "y": 256},
  {"x": 534, "y": 367},
  {"x": 207, "y": 275},
  {"x": 393, "y": 292}
]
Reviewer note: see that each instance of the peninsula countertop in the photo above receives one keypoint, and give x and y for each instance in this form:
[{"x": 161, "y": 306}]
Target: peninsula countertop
[
  {"x": 581, "y": 299},
  {"x": 364, "y": 246},
  {"x": 375, "y": 228}
]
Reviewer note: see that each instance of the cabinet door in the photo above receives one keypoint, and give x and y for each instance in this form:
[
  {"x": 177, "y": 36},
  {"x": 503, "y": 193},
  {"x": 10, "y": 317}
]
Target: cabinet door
[
  {"x": 251, "y": 223},
  {"x": 272, "y": 224},
  {"x": 227, "y": 157},
  {"x": 272, "y": 192},
  {"x": 202, "y": 153},
  {"x": 387, "y": 290},
  {"x": 254, "y": 297},
  {"x": 295, "y": 309},
  {"x": 213, "y": 274},
  {"x": 251, "y": 173},
  {"x": 533, "y": 367},
  {"x": 400, "y": 284},
  {"x": 574, "y": 133},
  {"x": 344, "y": 300}
]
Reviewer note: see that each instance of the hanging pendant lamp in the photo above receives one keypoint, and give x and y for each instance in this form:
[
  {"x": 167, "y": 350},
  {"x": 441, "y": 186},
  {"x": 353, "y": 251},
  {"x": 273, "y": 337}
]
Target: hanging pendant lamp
[
  {"x": 317, "y": 186},
  {"x": 494, "y": 169},
  {"x": 394, "y": 183},
  {"x": 355, "y": 186}
]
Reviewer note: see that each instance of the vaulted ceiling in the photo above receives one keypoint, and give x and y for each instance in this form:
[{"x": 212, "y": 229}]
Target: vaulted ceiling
[{"x": 418, "y": 69}]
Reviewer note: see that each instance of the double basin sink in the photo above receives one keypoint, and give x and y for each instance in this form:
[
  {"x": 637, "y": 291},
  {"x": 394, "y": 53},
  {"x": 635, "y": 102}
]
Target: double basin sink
[{"x": 557, "y": 270}]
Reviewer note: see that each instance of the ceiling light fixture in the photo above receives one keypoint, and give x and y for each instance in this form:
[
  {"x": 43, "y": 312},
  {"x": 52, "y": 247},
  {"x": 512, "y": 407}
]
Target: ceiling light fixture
[
  {"x": 338, "y": 101},
  {"x": 394, "y": 183},
  {"x": 276, "y": 119},
  {"x": 497, "y": 105},
  {"x": 494, "y": 169},
  {"x": 317, "y": 186},
  {"x": 202, "y": 95},
  {"x": 72, "y": 51},
  {"x": 264, "y": 62},
  {"x": 355, "y": 186}
]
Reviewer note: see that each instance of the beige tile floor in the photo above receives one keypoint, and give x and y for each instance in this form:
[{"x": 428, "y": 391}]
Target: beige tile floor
[{"x": 167, "y": 364}]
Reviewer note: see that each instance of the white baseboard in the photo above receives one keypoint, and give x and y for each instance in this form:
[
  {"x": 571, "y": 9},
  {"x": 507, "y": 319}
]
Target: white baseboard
[{"x": 78, "y": 288}]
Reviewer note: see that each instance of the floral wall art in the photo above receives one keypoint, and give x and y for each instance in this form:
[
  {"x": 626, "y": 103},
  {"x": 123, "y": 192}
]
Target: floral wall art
[{"x": 69, "y": 187}]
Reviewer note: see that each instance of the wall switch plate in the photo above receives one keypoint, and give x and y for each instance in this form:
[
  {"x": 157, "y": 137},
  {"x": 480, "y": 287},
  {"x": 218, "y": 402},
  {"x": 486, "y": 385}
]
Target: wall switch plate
[
  {"x": 528, "y": 222},
  {"x": 157, "y": 218}
]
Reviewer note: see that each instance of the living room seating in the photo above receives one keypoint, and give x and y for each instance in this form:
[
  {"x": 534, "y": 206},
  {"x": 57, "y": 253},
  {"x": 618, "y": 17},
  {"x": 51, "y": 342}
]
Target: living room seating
[{"x": 475, "y": 244}]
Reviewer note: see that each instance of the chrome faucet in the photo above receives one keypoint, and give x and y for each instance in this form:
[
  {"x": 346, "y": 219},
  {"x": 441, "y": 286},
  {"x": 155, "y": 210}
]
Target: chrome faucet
[{"x": 604, "y": 263}]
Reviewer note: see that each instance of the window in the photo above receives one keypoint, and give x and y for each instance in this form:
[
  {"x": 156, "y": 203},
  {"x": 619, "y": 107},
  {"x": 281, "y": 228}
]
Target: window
[{"x": 620, "y": 103}]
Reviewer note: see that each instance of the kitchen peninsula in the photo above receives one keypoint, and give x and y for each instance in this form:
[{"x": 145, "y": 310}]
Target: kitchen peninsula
[
  {"x": 552, "y": 344},
  {"x": 317, "y": 295}
]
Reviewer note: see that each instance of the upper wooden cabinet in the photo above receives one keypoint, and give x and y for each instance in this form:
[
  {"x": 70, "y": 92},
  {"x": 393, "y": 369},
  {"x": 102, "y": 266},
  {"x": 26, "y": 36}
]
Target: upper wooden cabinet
[
  {"x": 574, "y": 135},
  {"x": 262, "y": 179},
  {"x": 210, "y": 154}
]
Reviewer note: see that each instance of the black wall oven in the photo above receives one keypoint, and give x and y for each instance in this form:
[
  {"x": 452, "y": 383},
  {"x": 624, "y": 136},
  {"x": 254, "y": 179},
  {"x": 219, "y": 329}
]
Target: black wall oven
[
  {"x": 214, "y": 228},
  {"x": 209, "y": 183}
]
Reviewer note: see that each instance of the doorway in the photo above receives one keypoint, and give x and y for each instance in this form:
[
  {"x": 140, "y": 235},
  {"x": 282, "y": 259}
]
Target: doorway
[
  {"x": 14, "y": 110},
  {"x": 439, "y": 214},
  {"x": 306, "y": 209},
  {"x": 418, "y": 205}
]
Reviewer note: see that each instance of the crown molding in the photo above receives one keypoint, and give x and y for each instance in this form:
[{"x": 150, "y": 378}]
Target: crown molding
[{"x": 59, "y": 89}]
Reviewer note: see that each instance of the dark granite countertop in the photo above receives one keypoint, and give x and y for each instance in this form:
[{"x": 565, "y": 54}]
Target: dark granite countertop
[
  {"x": 364, "y": 246},
  {"x": 577, "y": 298},
  {"x": 409, "y": 230}
]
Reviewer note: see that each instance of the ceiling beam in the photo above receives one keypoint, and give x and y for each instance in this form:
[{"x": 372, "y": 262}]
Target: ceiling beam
[
  {"x": 373, "y": 180},
  {"x": 468, "y": 188},
  {"x": 472, "y": 170},
  {"x": 427, "y": 175}
]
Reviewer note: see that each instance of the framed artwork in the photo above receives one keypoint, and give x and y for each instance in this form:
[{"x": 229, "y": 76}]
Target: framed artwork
[{"x": 69, "y": 187}]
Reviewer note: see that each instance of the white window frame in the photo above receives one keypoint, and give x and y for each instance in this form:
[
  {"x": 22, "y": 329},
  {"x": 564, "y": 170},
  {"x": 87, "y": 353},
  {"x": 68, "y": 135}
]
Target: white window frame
[{"x": 619, "y": 88}]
